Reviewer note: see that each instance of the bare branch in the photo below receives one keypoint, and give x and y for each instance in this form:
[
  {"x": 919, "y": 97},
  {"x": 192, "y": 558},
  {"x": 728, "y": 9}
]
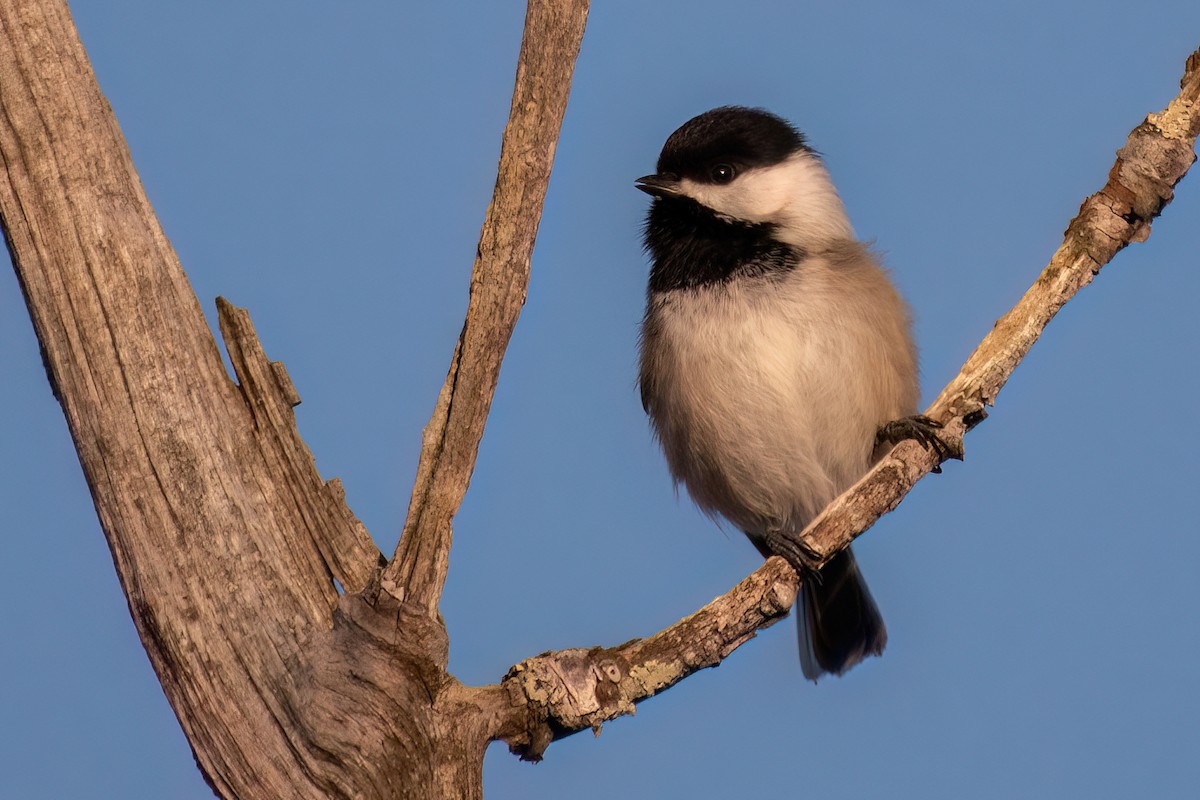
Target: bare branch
[
  {"x": 557, "y": 694},
  {"x": 1156, "y": 156},
  {"x": 343, "y": 541},
  {"x": 499, "y": 280},
  {"x": 569, "y": 690}
]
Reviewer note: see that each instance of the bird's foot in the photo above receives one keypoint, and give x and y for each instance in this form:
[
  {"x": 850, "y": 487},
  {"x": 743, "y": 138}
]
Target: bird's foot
[
  {"x": 795, "y": 551},
  {"x": 923, "y": 430}
]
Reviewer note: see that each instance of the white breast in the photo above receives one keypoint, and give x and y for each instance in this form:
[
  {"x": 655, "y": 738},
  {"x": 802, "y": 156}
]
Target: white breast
[{"x": 766, "y": 393}]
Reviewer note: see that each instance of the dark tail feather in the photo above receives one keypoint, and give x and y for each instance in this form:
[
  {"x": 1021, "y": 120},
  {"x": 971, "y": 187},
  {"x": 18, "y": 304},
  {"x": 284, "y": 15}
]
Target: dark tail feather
[{"x": 838, "y": 620}]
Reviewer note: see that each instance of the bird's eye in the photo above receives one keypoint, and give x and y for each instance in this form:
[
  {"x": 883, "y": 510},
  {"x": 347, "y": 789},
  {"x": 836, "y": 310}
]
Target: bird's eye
[{"x": 722, "y": 173}]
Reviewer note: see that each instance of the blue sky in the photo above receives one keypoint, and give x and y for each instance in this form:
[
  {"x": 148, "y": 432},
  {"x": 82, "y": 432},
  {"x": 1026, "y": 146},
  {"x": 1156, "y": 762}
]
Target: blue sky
[{"x": 329, "y": 169}]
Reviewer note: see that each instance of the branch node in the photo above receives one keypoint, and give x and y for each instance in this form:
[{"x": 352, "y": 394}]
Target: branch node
[{"x": 565, "y": 692}]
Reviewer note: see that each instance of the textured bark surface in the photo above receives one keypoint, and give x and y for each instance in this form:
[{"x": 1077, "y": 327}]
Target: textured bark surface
[
  {"x": 499, "y": 282},
  {"x": 569, "y": 690},
  {"x": 229, "y": 545},
  {"x": 227, "y": 542}
]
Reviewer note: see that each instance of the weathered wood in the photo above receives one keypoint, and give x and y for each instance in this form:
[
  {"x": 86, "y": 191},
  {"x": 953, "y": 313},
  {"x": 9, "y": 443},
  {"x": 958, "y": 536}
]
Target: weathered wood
[
  {"x": 564, "y": 692},
  {"x": 337, "y": 534},
  {"x": 499, "y": 281},
  {"x": 229, "y": 545},
  {"x": 226, "y": 540}
]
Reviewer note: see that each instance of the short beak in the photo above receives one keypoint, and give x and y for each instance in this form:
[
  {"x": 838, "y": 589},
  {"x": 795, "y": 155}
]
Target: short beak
[{"x": 662, "y": 185}]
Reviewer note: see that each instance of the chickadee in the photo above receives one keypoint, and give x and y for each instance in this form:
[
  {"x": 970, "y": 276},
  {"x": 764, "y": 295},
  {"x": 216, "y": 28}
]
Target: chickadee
[{"x": 776, "y": 356}]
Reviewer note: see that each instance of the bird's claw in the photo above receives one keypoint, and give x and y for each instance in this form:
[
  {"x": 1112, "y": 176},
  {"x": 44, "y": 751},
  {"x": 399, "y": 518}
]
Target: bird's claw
[
  {"x": 923, "y": 430},
  {"x": 794, "y": 550}
]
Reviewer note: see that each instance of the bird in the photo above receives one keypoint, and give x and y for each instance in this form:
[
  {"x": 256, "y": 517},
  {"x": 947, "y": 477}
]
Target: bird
[{"x": 777, "y": 362}]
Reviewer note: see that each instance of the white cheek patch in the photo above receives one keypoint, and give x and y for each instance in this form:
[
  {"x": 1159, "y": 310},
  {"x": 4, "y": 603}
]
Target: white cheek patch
[
  {"x": 757, "y": 195},
  {"x": 797, "y": 195}
]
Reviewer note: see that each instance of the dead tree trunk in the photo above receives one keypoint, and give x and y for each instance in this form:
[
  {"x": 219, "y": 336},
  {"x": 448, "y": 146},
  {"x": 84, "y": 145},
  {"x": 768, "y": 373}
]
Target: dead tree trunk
[
  {"x": 227, "y": 542},
  {"x": 230, "y": 546}
]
